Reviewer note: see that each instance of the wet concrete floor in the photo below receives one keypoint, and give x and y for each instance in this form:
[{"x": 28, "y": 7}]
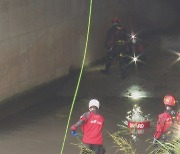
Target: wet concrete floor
[{"x": 40, "y": 128}]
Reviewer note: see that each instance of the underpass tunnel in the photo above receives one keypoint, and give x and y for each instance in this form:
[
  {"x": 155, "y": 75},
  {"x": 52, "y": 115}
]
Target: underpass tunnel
[
  {"x": 42, "y": 44},
  {"x": 44, "y": 40}
]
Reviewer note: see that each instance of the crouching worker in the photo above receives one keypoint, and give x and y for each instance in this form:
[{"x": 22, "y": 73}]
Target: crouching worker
[
  {"x": 92, "y": 124},
  {"x": 165, "y": 129}
]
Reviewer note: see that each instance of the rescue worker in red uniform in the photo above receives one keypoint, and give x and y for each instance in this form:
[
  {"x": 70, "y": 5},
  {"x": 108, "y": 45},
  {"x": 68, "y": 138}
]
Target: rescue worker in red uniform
[
  {"x": 116, "y": 43},
  {"x": 166, "y": 121},
  {"x": 92, "y": 124}
]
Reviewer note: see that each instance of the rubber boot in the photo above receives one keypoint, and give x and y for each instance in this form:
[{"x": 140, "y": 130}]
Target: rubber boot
[{"x": 107, "y": 67}]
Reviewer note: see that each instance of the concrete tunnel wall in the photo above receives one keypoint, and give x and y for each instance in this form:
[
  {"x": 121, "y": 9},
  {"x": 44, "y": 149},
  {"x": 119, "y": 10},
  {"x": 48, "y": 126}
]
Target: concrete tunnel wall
[{"x": 40, "y": 40}]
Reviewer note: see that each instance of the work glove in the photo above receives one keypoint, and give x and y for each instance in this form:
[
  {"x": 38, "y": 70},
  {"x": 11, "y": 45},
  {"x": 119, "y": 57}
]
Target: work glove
[
  {"x": 74, "y": 133},
  {"x": 155, "y": 141},
  {"x": 73, "y": 128}
]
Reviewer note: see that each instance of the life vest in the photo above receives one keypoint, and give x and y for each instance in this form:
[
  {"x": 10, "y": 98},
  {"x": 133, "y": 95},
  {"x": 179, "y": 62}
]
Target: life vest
[{"x": 116, "y": 35}]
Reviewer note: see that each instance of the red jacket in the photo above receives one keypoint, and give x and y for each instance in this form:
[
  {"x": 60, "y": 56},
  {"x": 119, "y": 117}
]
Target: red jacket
[
  {"x": 92, "y": 128},
  {"x": 164, "y": 123},
  {"x": 115, "y": 34}
]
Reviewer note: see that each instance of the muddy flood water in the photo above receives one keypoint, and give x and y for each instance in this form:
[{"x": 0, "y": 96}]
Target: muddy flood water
[{"x": 40, "y": 128}]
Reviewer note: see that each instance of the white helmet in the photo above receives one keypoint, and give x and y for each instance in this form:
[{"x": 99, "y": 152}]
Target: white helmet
[{"x": 94, "y": 102}]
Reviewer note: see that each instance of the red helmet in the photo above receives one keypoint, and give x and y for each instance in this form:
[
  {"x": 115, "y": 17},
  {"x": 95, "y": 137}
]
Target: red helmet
[
  {"x": 115, "y": 20},
  {"x": 169, "y": 100}
]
